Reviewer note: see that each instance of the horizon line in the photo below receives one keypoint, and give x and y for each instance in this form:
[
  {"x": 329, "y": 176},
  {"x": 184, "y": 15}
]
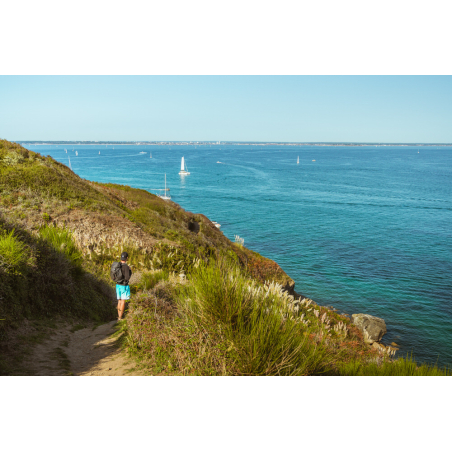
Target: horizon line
[{"x": 234, "y": 141}]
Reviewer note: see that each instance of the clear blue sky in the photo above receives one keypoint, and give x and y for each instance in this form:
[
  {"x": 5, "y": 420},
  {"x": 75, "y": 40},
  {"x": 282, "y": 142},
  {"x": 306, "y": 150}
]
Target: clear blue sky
[{"x": 243, "y": 108}]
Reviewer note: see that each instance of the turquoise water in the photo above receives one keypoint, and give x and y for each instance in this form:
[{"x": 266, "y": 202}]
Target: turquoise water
[{"x": 365, "y": 229}]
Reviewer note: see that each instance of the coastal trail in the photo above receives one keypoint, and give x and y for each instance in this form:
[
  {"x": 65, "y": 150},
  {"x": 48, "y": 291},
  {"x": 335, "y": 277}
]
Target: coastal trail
[{"x": 82, "y": 350}]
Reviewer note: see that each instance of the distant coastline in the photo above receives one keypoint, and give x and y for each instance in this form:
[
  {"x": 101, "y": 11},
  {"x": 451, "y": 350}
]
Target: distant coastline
[{"x": 217, "y": 143}]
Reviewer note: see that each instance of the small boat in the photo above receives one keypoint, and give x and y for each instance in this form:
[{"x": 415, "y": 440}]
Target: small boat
[
  {"x": 298, "y": 160},
  {"x": 165, "y": 196},
  {"x": 150, "y": 155},
  {"x": 70, "y": 167},
  {"x": 99, "y": 152},
  {"x": 65, "y": 151},
  {"x": 183, "y": 168},
  {"x": 76, "y": 153},
  {"x": 218, "y": 225},
  {"x": 313, "y": 160},
  {"x": 142, "y": 152},
  {"x": 219, "y": 162}
]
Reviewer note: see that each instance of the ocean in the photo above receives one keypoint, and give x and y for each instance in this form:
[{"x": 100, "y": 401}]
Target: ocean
[{"x": 364, "y": 229}]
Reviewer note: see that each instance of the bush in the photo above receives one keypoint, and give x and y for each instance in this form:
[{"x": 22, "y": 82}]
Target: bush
[
  {"x": 400, "y": 367},
  {"x": 262, "y": 339},
  {"x": 14, "y": 254},
  {"x": 149, "y": 280},
  {"x": 61, "y": 240}
]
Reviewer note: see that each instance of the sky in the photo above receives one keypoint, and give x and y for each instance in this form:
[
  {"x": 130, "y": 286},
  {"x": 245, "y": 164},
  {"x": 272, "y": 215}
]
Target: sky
[{"x": 227, "y": 108}]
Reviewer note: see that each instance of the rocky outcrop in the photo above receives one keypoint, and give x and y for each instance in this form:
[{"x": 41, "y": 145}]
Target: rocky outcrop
[
  {"x": 193, "y": 226},
  {"x": 373, "y": 328},
  {"x": 289, "y": 287}
]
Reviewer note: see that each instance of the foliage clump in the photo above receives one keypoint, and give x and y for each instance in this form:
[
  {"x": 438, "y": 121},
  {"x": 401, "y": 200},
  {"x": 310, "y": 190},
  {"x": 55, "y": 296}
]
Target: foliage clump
[{"x": 15, "y": 255}]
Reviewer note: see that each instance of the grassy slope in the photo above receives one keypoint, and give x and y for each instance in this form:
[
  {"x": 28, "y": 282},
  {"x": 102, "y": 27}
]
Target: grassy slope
[
  {"x": 35, "y": 189},
  {"x": 41, "y": 200}
]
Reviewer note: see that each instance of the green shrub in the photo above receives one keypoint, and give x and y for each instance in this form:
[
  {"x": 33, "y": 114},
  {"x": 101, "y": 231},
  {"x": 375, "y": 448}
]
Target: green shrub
[
  {"x": 149, "y": 280},
  {"x": 61, "y": 240},
  {"x": 262, "y": 339},
  {"x": 14, "y": 254},
  {"x": 400, "y": 367}
]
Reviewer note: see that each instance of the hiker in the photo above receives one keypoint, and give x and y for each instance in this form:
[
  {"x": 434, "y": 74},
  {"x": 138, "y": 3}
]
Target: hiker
[{"x": 122, "y": 286}]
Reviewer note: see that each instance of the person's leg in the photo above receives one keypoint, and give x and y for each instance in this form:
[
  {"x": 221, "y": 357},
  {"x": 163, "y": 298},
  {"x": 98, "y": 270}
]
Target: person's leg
[
  {"x": 118, "y": 296},
  {"x": 121, "y": 306}
]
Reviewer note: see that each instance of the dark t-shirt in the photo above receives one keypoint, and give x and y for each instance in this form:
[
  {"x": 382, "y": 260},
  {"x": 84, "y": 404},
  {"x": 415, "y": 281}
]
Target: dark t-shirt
[{"x": 127, "y": 273}]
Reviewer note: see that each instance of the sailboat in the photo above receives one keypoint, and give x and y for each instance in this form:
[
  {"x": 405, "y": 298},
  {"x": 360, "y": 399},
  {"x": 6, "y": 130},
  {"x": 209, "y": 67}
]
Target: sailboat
[
  {"x": 150, "y": 155},
  {"x": 70, "y": 167},
  {"x": 183, "y": 167},
  {"x": 76, "y": 153},
  {"x": 65, "y": 151},
  {"x": 298, "y": 160},
  {"x": 99, "y": 152},
  {"x": 165, "y": 195}
]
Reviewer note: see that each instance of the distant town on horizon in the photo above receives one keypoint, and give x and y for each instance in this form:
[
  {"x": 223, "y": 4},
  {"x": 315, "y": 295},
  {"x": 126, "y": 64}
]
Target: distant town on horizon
[{"x": 235, "y": 143}]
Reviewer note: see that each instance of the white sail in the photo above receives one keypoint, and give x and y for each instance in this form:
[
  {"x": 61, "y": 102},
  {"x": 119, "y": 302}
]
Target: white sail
[
  {"x": 183, "y": 167},
  {"x": 70, "y": 167},
  {"x": 298, "y": 160},
  {"x": 165, "y": 193}
]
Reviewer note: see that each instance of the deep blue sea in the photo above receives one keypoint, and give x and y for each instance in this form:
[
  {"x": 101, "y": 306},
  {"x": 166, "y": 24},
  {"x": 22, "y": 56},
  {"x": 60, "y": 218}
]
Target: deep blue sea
[{"x": 364, "y": 229}]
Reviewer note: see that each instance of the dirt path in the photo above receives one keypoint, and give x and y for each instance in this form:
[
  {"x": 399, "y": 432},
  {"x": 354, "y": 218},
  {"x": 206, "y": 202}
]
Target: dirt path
[{"x": 81, "y": 350}]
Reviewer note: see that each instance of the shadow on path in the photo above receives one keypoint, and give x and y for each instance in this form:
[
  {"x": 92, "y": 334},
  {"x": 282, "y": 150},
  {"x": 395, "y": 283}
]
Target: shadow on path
[{"x": 88, "y": 351}]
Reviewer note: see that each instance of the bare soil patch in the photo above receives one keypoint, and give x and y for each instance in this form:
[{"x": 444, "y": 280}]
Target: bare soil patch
[{"x": 80, "y": 350}]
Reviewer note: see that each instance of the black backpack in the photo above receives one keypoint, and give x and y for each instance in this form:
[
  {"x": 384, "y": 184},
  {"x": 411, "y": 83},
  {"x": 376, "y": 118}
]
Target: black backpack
[{"x": 116, "y": 272}]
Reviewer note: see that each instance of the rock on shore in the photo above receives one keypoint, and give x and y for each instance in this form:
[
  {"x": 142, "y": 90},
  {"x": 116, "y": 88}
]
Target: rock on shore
[{"x": 373, "y": 328}]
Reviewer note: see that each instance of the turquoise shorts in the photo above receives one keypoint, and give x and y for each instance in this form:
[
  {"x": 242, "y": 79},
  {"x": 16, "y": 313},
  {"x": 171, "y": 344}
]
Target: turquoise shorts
[{"x": 122, "y": 292}]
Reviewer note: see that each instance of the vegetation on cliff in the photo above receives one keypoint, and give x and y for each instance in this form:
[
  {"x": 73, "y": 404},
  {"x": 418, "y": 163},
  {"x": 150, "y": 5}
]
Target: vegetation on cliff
[
  {"x": 222, "y": 322},
  {"x": 201, "y": 304}
]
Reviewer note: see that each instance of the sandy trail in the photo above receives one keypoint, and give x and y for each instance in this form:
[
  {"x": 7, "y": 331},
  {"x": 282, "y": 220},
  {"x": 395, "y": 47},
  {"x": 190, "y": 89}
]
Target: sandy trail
[{"x": 88, "y": 351}]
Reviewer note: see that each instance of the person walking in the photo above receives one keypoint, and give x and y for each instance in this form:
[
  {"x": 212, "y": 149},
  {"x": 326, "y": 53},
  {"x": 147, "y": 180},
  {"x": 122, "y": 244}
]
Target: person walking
[{"x": 122, "y": 287}]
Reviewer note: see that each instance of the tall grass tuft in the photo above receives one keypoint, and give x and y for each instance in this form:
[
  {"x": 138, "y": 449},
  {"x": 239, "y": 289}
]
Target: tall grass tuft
[
  {"x": 400, "y": 367},
  {"x": 14, "y": 254},
  {"x": 62, "y": 241},
  {"x": 149, "y": 280},
  {"x": 262, "y": 339}
]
